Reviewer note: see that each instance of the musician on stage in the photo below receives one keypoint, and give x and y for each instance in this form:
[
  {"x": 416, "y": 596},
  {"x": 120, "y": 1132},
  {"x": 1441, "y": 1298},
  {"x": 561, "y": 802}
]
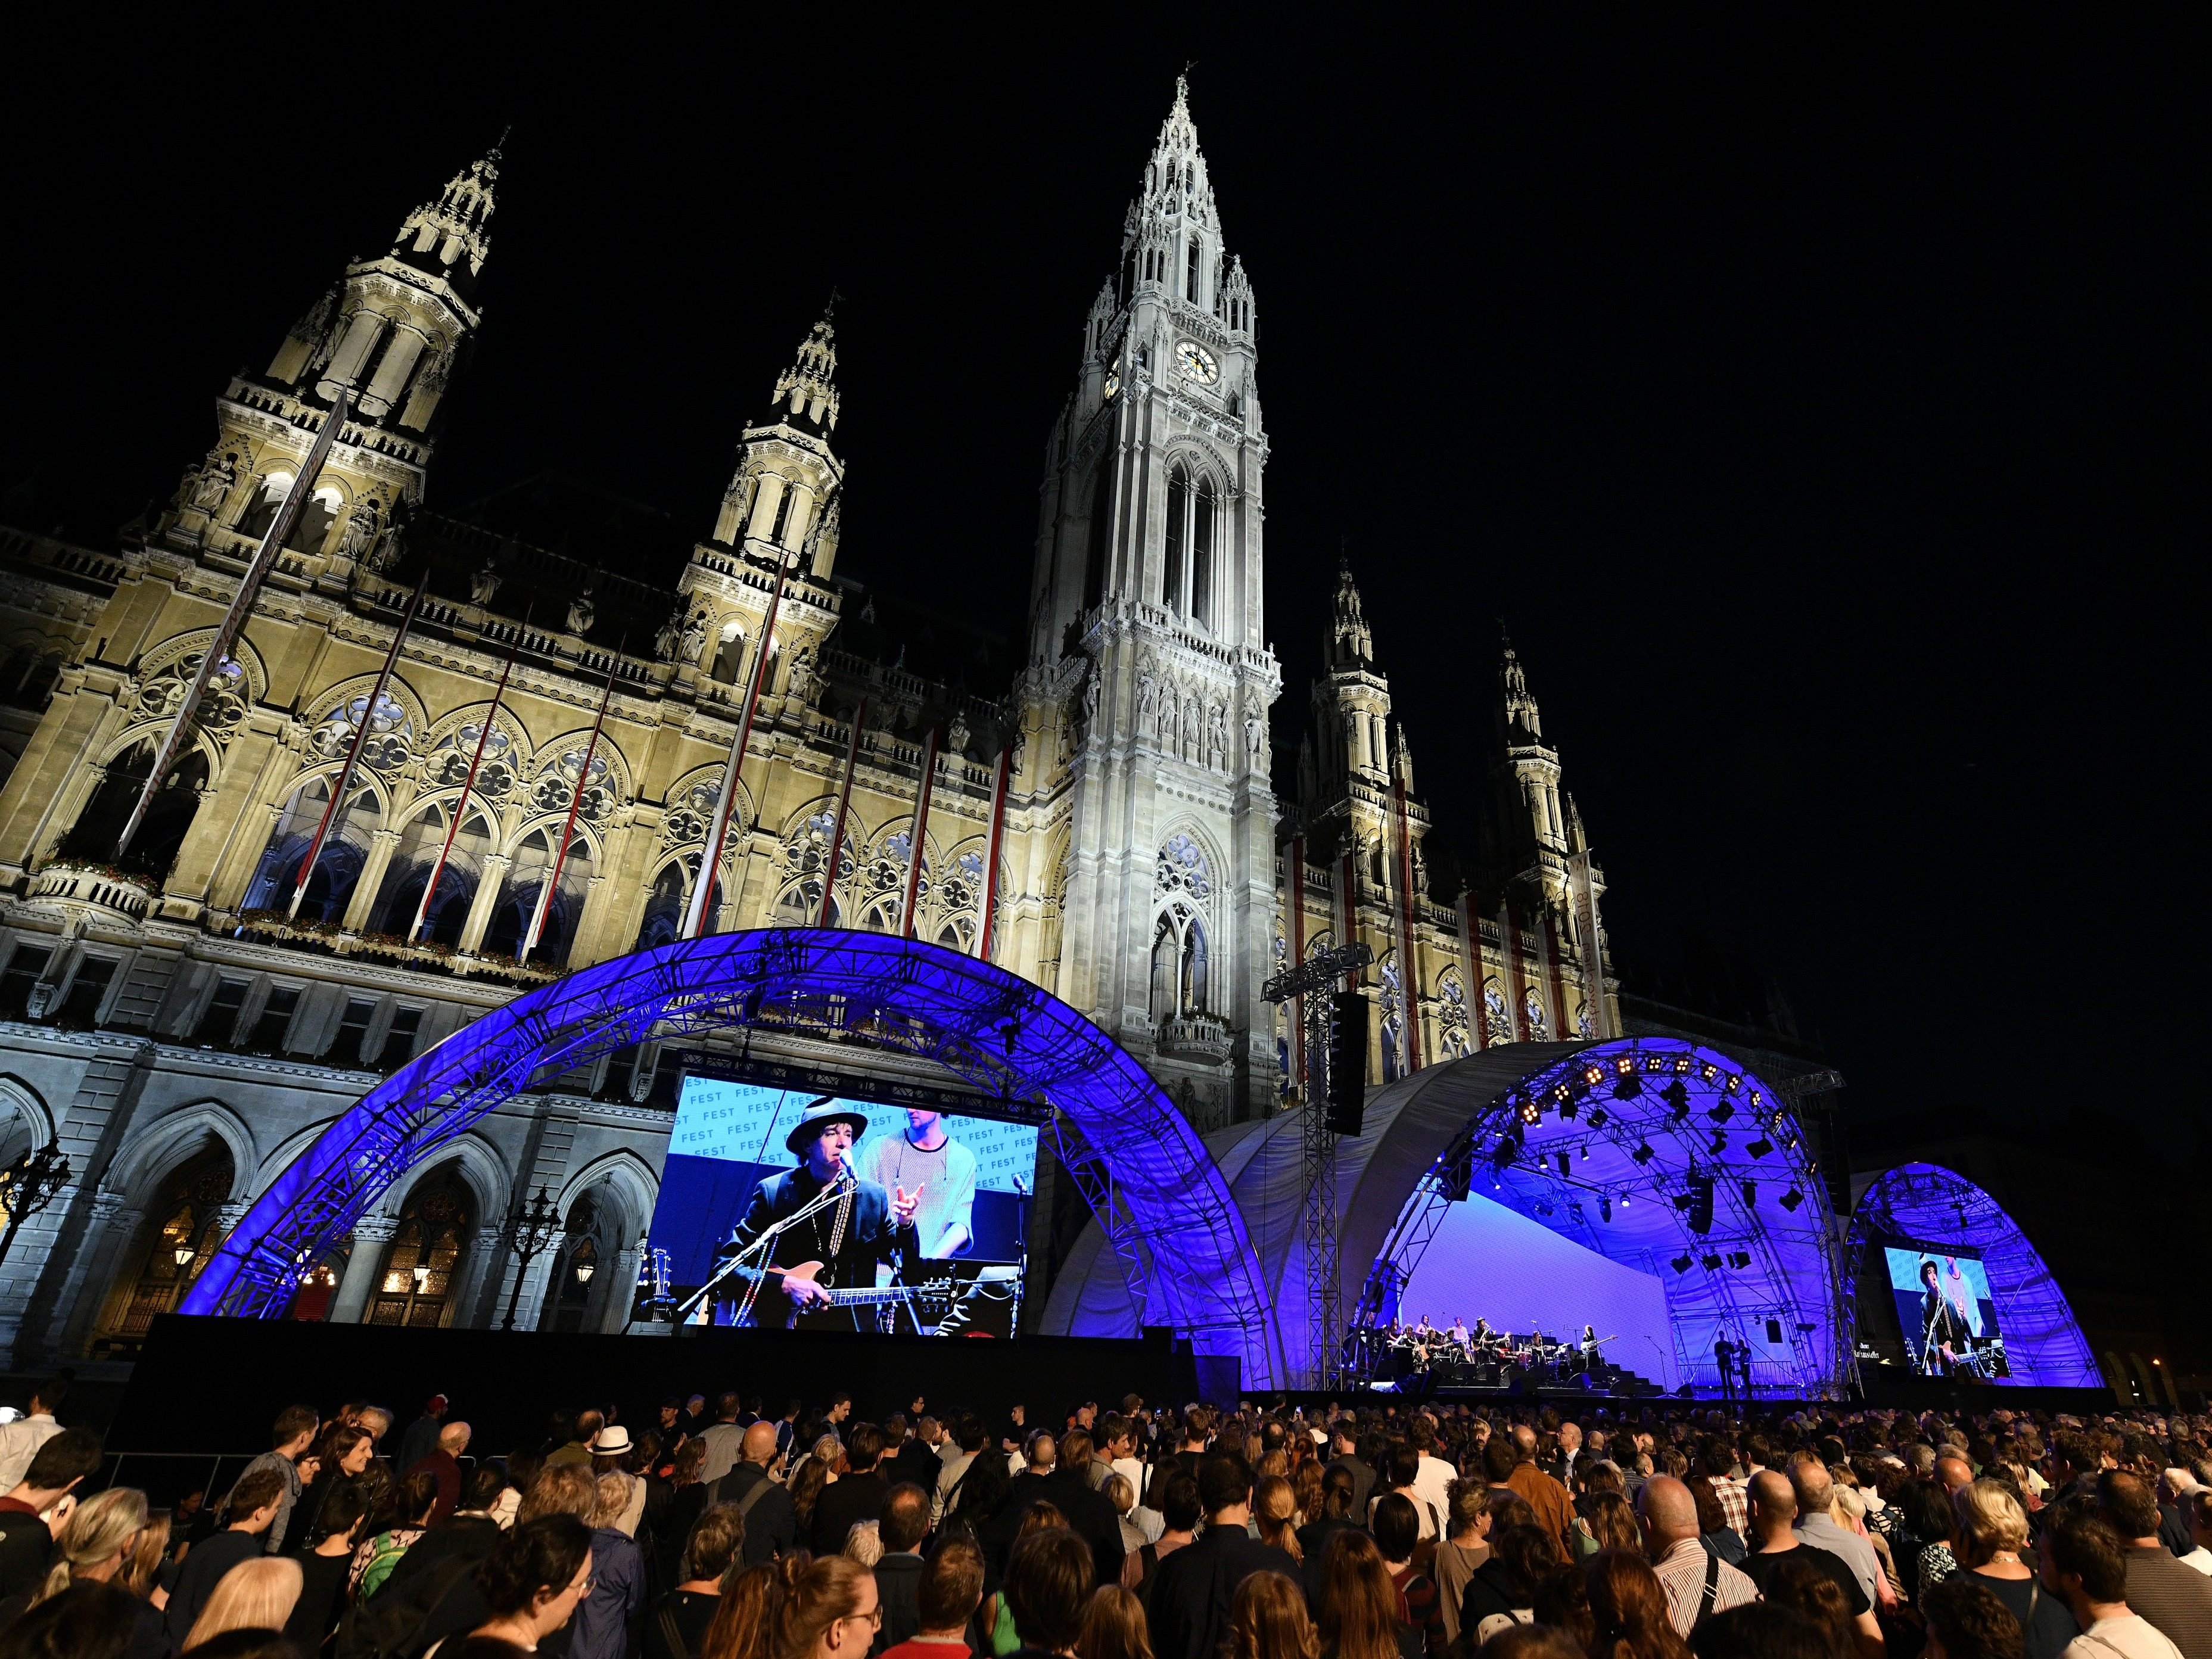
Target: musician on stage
[
  {"x": 1459, "y": 1331},
  {"x": 1591, "y": 1348},
  {"x": 1484, "y": 1337},
  {"x": 1944, "y": 1336},
  {"x": 928, "y": 1160},
  {"x": 867, "y": 1228}
]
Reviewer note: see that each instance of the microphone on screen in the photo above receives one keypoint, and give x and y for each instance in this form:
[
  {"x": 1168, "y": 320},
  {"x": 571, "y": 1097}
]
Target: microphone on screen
[{"x": 1021, "y": 1187}]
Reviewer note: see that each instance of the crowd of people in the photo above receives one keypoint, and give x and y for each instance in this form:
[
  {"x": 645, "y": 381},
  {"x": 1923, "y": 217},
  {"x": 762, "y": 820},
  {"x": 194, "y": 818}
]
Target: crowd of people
[{"x": 726, "y": 1531}]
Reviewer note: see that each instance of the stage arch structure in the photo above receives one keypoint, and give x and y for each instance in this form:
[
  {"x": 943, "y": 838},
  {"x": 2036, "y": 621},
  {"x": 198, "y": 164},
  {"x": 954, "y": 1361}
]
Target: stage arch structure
[
  {"x": 1926, "y": 1205},
  {"x": 1647, "y": 1120},
  {"x": 1181, "y": 1246}
]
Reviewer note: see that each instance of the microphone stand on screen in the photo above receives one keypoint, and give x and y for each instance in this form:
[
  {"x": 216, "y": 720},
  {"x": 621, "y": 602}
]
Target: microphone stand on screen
[{"x": 762, "y": 1247}]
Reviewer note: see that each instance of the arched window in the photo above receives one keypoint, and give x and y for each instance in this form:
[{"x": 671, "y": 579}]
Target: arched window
[
  {"x": 185, "y": 1227},
  {"x": 575, "y": 1270},
  {"x": 1497, "y": 1017},
  {"x": 1201, "y": 552},
  {"x": 409, "y": 873},
  {"x": 168, "y": 815},
  {"x": 422, "y": 1264},
  {"x": 256, "y": 520},
  {"x": 317, "y": 514},
  {"x": 1102, "y": 509},
  {"x": 319, "y": 1285},
  {"x": 663, "y": 911},
  {"x": 730, "y": 659},
  {"x": 1178, "y": 528},
  {"x": 1180, "y": 968},
  {"x": 533, "y": 865},
  {"x": 1531, "y": 1010}
]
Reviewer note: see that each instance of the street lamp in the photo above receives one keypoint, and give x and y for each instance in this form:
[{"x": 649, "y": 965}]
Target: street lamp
[
  {"x": 530, "y": 1229},
  {"x": 28, "y": 1185}
]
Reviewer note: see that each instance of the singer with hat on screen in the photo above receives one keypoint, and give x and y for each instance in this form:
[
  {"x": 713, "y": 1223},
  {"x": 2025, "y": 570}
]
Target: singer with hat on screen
[{"x": 848, "y": 1238}]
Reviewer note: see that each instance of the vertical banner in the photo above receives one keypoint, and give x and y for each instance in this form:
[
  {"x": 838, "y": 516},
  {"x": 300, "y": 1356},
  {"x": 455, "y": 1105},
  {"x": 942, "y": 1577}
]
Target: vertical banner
[
  {"x": 844, "y": 802},
  {"x": 344, "y": 781},
  {"x": 1587, "y": 945},
  {"x": 710, "y": 855},
  {"x": 568, "y": 828},
  {"x": 920, "y": 827},
  {"x": 1470, "y": 944},
  {"x": 1409, "y": 967},
  {"x": 1297, "y": 886},
  {"x": 468, "y": 785},
  {"x": 234, "y": 621},
  {"x": 991, "y": 854}
]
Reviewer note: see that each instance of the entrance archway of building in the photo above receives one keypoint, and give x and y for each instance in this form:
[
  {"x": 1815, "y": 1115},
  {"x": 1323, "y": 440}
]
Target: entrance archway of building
[{"x": 1187, "y": 1258}]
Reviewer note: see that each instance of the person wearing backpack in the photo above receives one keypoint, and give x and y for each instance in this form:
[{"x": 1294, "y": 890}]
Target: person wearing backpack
[{"x": 771, "y": 1525}]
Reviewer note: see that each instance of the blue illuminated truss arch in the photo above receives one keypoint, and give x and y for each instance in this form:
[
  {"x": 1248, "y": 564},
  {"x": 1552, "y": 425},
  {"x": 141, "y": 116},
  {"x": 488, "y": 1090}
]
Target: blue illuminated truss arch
[
  {"x": 1928, "y": 1206},
  {"x": 1179, "y": 1236}
]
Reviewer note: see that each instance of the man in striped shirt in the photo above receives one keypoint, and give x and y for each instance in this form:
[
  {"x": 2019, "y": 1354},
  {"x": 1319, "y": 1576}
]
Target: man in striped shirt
[
  {"x": 1684, "y": 1565},
  {"x": 1719, "y": 1459}
]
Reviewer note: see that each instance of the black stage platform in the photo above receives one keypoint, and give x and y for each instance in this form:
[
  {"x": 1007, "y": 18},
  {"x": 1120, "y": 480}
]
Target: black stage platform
[{"x": 214, "y": 1385}]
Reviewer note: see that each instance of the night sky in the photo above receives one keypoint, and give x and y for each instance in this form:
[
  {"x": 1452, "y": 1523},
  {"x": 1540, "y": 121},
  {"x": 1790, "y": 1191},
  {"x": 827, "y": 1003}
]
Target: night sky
[{"x": 1813, "y": 409}]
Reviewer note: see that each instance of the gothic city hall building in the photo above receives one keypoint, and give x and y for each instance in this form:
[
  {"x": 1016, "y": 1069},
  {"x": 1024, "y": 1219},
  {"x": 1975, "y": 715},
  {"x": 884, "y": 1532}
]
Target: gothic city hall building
[{"x": 534, "y": 787}]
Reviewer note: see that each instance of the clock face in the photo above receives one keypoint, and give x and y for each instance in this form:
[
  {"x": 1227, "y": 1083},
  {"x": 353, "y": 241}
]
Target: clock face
[{"x": 1197, "y": 363}]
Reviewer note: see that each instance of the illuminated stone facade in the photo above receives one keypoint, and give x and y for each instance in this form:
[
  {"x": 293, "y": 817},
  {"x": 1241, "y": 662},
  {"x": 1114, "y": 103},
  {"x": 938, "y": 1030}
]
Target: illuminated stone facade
[{"x": 183, "y": 1027}]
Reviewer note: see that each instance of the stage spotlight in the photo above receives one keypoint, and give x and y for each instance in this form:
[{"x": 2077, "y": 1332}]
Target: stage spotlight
[
  {"x": 1623, "y": 1200},
  {"x": 1720, "y": 1142},
  {"x": 1644, "y": 1154},
  {"x": 1711, "y": 1263},
  {"x": 1683, "y": 1201},
  {"x": 1585, "y": 1152},
  {"x": 749, "y": 1010},
  {"x": 1678, "y": 1100},
  {"x": 1597, "y": 1117},
  {"x": 1807, "y": 1330},
  {"x": 1574, "y": 1208},
  {"x": 1628, "y": 1088},
  {"x": 1569, "y": 1107},
  {"x": 1605, "y": 1209},
  {"x": 1681, "y": 1264},
  {"x": 1739, "y": 1259},
  {"x": 1593, "y": 1075},
  {"x": 1722, "y": 1112},
  {"x": 1750, "y": 1193},
  {"x": 1566, "y": 1162},
  {"x": 1792, "y": 1199},
  {"x": 1623, "y": 1064},
  {"x": 1760, "y": 1147}
]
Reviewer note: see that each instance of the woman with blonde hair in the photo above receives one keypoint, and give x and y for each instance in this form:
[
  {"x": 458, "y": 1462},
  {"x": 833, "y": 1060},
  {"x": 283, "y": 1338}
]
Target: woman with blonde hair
[
  {"x": 255, "y": 1595},
  {"x": 94, "y": 1541},
  {"x": 1275, "y": 1512},
  {"x": 147, "y": 1551},
  {"x": 1992, "y": 1534},
  {"x": 1267, "y": 1620},
  {"x": 1113, "y": 1626}
]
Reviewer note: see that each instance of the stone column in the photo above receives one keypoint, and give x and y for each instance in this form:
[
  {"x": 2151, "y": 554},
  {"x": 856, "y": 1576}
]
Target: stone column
[
  {"x": 371, "y": 1234},
  {"x": 391, "y": 373},
  {"x": 381, "y": 844},
  {"x": 764, "y": 504},
  {"x": 352, "y": 351},
  {"x": 481, "y": 905}
]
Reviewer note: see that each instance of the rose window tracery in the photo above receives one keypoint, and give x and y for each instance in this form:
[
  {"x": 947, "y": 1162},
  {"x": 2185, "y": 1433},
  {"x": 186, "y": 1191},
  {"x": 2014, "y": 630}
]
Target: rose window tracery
[
  {"x": 691, "y": 813},
  {"x": 1532, "y": 1009},
  {"x": 1182, "y": 869},
  {"x": 449, "y": 768},
  {"x": 391, "y": 733},
  {"x": 1497, "y": 1018},
  {"x": 222, "y": 705}
]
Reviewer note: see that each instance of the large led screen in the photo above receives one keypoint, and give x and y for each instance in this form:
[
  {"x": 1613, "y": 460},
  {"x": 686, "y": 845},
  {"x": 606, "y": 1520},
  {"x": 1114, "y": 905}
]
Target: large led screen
[
  {"x": 973, "y": 1178},
  {"x": 1945, "y": 1311}
]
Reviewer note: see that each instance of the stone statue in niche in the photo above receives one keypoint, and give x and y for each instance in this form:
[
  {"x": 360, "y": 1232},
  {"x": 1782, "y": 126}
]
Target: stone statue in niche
[
  {"x": 1255, "y": 739},
  {"x": 1093, "y": 683},
  {"x": 484, "y": 586},
  {"x": 360, "y": 532},
  {"x": 1148, "y": 693},
  {"x": 1217, "y": 737},
  {"x": 801, "y": 686},
  {"x": 670, "y": 635},
  {"x": 389, "y": 548},
  {"x": 957, "y": 735},
  {"x": 694, "y": 641},
  {"x": 581, "y": 613},
  {"x": 217, "y": 477}
]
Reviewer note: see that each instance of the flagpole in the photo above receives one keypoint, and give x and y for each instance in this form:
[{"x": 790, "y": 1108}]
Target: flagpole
[
  {"x": 468, "y": 783},
  {"x": 710, "y": 856},
  {"x": 991, "y": 854},
  {"x": 234, "y": 621},
  {"x": 359, "y": 736},
  {"x": 920, "y": 827},
  {"x": 568, "y": 829},
  {"x": 844, "y": 800}
]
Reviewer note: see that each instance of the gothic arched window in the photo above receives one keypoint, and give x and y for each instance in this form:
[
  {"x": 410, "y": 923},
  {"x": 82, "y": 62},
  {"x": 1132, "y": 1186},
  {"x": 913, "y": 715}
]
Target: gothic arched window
[
  {"x": 1201, "y": 553},
  {"x": 1394, "y": 1021},
  {"x": 664, "y": 910},
  {"x": 1102, "y": 507},
  {"x": 168, "y": 815},
  {"x": 1531, "y": 1010},
  {"x": 1178, "y": 525},
  {"x": 1497, "y": 1017},
  {"x": 422, "y": 1264},
  {"x": 185, "y": 1216}
]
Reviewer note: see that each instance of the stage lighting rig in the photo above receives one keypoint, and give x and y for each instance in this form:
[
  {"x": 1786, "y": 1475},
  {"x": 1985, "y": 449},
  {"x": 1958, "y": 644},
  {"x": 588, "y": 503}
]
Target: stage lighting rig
[
  {"x": 1792, "y": 1199},
  {"x": 1605, "y": 1209},
  {"x": 1750, "y": 1193},
  {"x": 1680, "y": 1264},
  {"x": 1760, "y": 1147},
  {"x": 1644, "y": 1154},
  {"x": 1739, "y": 1260},
  {"x": 1597, "y": 1117},
  {"x": 1678, "y": 1101},
  {"x": 1720, "y": 1142},
  {"x": 1710, "y": 1262},
  {"x": 1627, "y": 1087},
  {"x": 1722, "y": 1112},
  {"x": 1566, "y": 1165}
]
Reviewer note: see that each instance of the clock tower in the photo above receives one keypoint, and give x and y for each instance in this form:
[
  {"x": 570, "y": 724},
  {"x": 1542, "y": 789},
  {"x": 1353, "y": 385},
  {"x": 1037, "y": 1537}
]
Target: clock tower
[{"x": 1149, "y": 671}]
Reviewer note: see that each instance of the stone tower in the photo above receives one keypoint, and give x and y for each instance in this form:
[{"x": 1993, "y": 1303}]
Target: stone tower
[{"x": 1148, "y": 656}]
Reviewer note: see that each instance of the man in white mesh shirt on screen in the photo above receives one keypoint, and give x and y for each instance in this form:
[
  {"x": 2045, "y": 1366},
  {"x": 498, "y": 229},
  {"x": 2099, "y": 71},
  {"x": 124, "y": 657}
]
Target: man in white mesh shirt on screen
[{"x": 924, "y": 1159}]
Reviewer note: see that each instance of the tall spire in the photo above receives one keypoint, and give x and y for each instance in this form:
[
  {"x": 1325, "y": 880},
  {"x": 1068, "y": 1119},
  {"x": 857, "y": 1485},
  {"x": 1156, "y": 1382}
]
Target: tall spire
[
  {"x": 1350, "y": 642},
  {"x": 805, "y": 392},
  {"x": 444, "y": 230},
  {"x": 1520, "y": 707}
]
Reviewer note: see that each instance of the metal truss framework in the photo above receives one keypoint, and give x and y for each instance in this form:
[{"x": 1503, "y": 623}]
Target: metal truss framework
[
  {"x": 1576, "y": 1143},
  {"x": 1180, "y": 1237},
  {"x": 1928, "y": 1206}
]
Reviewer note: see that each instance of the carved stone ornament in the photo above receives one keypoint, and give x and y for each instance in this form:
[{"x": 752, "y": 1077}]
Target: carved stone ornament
[
  {"x": 581, "y": 613},
  {"x": 389, "y": 548},
  {"x": 360, "y": 532},
  {"x": 695, "y": 639},
  {"x": 217, "y": 477},
  {"x": 670, "y": 637},
  {"x": 957, "y": 735},
  {"x": 484, "y": 586}
]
